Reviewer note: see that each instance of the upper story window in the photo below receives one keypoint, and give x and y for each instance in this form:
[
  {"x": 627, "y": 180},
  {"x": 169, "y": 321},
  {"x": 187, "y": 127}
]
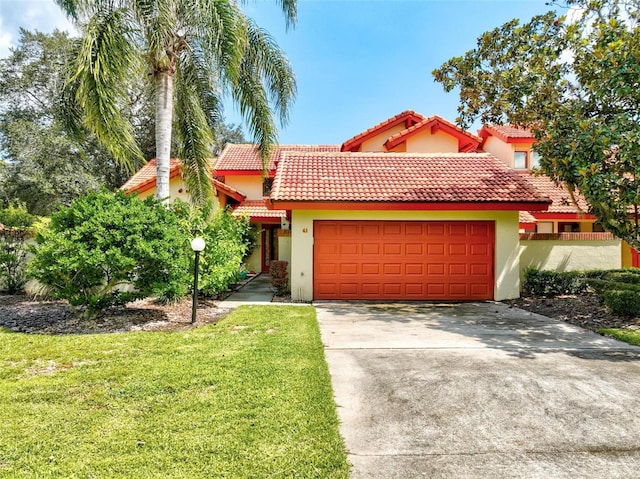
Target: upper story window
[
  {"x": 267, "y": 184},
  {"x": 535, "y": 160},
  {"x": 520, "y": 160}
]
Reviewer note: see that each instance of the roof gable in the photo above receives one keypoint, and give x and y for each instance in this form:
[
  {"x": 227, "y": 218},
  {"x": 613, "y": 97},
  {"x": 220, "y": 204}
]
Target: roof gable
[
  {"x": 466, "y": 141},
  {"x": 408, "y": 117}
]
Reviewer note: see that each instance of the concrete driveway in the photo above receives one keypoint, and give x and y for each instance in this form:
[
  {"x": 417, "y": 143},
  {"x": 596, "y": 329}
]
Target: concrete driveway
[{"x": 480, "y": 391}]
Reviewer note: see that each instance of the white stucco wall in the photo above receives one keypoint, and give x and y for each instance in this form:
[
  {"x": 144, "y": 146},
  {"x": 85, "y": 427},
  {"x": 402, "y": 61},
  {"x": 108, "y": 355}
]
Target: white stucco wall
[
  {"x": 507, "y": 278},
  {"x": 570, "y": 255}
]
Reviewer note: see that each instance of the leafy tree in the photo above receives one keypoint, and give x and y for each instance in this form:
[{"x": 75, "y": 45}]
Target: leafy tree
[
  {"x": 45, "y": 167},
  {"x": 192, "y": 51},
  {"x": 574, "y": 80},
  {"x": 108, "y": 249}
]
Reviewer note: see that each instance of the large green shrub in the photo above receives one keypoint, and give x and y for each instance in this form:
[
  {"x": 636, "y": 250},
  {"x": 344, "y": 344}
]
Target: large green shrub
[
  {"x": 15, "y": 229},
  {"x": 229, "y": 240},
  {"x": 107, "y": 249}
]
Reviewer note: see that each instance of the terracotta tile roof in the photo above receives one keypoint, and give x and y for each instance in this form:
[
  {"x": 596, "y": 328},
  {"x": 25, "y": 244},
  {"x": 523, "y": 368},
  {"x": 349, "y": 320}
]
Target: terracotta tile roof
[
  {"x": 507, "y": 133},
  {"x": 524, "y": 217},
  {"x": 228, "y": 190},
  {"x": 400, "y": 177},
  {"x": 410, "y": 117},
  {"x": 466, "y": 140},
  {"x": 245, "y": 157},
  {"x": 257, "y": 209},
  {"x": 145, "y": 177},
  {"x": 559, "y": 195}
]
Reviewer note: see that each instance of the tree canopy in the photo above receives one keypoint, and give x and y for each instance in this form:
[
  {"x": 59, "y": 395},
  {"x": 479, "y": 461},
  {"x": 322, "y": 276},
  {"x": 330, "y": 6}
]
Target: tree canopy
[
  {"x": 574, "y": 80},
  {"x": 193, "y": 52}
]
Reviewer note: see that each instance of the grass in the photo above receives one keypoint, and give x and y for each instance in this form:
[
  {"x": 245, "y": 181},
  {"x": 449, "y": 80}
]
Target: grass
[
  {"x": 626, "y": 335},
  {"x": 247, "y": 398}
]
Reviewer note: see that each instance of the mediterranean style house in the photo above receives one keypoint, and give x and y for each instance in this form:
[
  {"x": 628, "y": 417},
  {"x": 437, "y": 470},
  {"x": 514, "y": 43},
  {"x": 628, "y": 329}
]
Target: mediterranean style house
[{"x": 413, "y": 208}]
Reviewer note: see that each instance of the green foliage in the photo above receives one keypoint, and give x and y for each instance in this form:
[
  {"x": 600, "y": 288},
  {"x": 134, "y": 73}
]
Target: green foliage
[
  {"x": 107, "y": 249},
  {"x": 229, "y": 241},
  {"x": 47, "y": 167},
  {"x": 552, "y": 283},
  {"x": 623, "y": 302},
  {"x": 16, "y": 216},
  {"x": 279, "y": 276},
  {"x": 574, "y": 82},
  {"x": 15, "y": 229}
]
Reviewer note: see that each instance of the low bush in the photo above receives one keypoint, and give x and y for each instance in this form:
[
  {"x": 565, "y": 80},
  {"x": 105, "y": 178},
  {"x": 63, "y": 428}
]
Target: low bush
[
  {"x": 279, "y": 276},
  {"x": 108, "y": 249},
  {"x": 553, "y": 283},
  {"x": 623, "y": 302},
  {"x": 627, "y": 276}
]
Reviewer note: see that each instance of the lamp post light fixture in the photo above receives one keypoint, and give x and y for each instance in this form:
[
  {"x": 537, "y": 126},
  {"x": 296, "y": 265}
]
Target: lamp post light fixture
[{"x": 197, "y": 245}]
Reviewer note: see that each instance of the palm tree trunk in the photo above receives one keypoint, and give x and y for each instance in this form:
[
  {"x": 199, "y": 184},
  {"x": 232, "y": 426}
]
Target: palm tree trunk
[{"x": 164, "y": 119}]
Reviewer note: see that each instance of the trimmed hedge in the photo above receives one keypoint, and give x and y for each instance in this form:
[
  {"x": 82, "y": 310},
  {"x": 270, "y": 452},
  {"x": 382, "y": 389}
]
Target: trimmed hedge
[
  {"x": 553, "y": 283},
  {"x": 623, "y": 302}
]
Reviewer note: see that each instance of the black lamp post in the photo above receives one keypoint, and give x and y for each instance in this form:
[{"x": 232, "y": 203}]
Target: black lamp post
[{"x": 197, "y": 245}]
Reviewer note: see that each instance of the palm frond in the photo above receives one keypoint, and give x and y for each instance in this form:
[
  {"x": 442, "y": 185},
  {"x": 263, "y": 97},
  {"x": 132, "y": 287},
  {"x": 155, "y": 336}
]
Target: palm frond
[
  {"x": 106, "y": 59},
  {"x": 192, "y": 127}
]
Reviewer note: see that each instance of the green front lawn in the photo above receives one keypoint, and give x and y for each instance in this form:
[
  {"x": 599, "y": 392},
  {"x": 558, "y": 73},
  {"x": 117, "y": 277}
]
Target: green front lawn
[
  {"x": 247, "y": 398},
  {"x": 627, "y": 335}
]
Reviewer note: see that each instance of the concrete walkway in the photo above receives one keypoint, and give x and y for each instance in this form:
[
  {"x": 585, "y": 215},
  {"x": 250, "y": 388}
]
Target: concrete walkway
[
  {"x": 480, "y": 391},
  {"x": 256, "y": 291}
]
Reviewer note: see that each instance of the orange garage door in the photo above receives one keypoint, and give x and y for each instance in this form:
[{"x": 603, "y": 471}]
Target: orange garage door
[{"x": 403, "y": 260}]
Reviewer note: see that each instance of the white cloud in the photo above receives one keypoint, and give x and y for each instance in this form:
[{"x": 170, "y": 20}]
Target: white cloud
[{"x": 42, "y": 15}]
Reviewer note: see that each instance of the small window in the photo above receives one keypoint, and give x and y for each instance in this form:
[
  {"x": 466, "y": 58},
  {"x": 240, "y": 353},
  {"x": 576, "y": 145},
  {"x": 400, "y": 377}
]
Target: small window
[
  {"x": 535, "y": 160},
  {"x": 520, "y": 160},
  {"x": 597, "y": 227},
  {"x": 267, "y": 183},
  {"x": 569, "y": 227},
  {"x": 544, "y": 227}
]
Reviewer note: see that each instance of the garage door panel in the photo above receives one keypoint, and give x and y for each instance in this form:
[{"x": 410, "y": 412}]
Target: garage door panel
[
  {"x": 370, "y": 249},
  {"x": 395, "y": 260},
  {"x": 414, "y": 249},
  {"x": 414, "y": 269},
  {"x": 458, "y": 269},
  {"x": 348, "y": 249},
  {"x": 349, "y": 268}
]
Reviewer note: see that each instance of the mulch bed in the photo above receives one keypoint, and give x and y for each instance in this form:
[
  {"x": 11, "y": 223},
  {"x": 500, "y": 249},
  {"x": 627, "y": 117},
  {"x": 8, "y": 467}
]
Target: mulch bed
[
  {"x": 587, "y": 311},
  {"x": 21, "y": 313}
]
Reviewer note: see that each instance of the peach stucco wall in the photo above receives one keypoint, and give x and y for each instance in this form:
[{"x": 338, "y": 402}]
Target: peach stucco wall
[
  {"x": 247, "y": 185},
  {"x": 425, "y": 142},
  {"x": 507, "y": 278},
  {"x": 376, "y": 143},
  {"x": 501, "y": 150}
]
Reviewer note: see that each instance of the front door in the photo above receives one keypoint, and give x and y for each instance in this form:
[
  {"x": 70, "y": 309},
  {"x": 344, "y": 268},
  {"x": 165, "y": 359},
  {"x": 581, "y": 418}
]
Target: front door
[{"x": 269, "y": 245}]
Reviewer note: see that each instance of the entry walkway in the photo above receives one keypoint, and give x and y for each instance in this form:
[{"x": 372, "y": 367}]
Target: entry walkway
[{"x": 256, "y": 291}]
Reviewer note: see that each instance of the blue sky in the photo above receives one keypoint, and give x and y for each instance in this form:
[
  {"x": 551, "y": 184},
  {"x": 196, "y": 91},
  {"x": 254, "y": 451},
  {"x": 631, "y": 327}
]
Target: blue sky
[{"x": 357, "y": 62}]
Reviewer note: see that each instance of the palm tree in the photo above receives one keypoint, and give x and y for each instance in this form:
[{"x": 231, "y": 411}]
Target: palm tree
[{"x": 193, "y": 52}]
